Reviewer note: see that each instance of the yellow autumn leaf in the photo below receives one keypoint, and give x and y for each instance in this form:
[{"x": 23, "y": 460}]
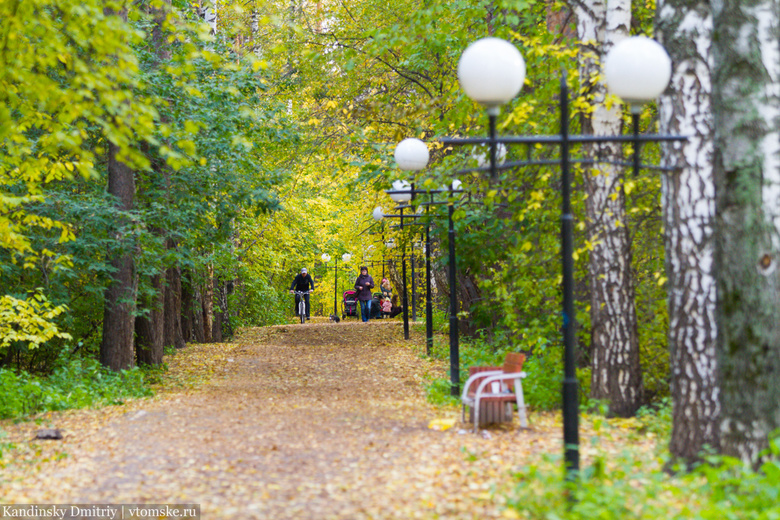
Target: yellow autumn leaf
[{"x": 441, "y": 424}]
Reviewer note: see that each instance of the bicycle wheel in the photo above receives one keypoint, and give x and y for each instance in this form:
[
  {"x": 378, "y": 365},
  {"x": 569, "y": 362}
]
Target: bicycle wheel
[{"x": 302, "y": 310}]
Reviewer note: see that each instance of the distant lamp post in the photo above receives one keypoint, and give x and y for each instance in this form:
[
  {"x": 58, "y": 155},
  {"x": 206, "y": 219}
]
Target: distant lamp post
[
  {"x": 492, "y": 72},
  {"x": 326, "y": 258},
  {"x": 411, "y": 155}
]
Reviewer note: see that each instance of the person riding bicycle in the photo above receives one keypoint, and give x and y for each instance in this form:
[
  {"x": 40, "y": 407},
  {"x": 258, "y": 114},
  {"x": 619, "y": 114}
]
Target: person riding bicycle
[{"x": 301, "y": 284}]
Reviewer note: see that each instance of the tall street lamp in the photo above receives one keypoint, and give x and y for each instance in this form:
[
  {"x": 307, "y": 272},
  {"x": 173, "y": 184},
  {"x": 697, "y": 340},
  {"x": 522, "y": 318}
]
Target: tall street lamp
[
  {"x": 412, "y": 155},
  {"x": 454, "y": 188},
  {"x": 492, "y": 71},
  {"x": 401, "y": 197},
  {"x": 346, "y": 257}
]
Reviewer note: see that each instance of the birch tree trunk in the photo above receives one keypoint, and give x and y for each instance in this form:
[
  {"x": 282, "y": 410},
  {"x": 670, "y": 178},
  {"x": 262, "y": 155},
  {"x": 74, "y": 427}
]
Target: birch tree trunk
[
  {"x": 746, "y": 109},
  {"x": 688, "y": 199},
  {"x": 209, "y": 12},
  {"x": 616, "y": 375}
]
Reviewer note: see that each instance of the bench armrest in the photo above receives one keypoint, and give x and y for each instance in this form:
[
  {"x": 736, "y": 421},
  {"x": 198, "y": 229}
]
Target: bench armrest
[
  {"x": 474, "y": 377},
  {"x": 501, "y": 376}
]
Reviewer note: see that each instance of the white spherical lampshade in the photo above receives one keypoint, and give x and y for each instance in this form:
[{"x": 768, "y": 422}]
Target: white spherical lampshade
[
  {"x": 346, "y": 257},
  {"x": 482, "y": 155},
  {"x": 401, "y": 185},
  {"x": 455, "y": 185},
  {"x": 637, "y": 69},
  {"x": 325, "y": 257},
  {"x": 491, "y": 71},
  {"x": 378, "y": 213},
  {"x": 411, "y": 154}
]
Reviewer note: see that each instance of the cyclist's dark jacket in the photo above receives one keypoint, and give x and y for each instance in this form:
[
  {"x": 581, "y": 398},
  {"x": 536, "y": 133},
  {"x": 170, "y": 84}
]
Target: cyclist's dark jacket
[{"x": 302, "y": 282}]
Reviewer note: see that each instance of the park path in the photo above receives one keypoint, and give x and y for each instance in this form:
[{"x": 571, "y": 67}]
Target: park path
[{"x": 314, "y": 421}]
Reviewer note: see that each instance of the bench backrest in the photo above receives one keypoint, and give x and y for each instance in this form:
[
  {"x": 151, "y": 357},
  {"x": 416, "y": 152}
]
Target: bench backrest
[{"x": 513, "y": 363}]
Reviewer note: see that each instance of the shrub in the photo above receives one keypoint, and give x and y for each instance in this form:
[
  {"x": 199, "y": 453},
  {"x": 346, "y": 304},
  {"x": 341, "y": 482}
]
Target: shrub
[
  {"x": 76, "y": 383},
  {"x": 629, "y": 484}
]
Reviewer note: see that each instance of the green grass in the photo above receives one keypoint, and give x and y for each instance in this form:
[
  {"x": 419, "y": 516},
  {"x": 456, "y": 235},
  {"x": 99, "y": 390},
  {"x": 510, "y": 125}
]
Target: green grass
[{"x": 77, "y": 383}]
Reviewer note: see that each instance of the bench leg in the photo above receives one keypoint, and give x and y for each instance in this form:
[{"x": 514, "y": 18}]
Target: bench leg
[{"x": 520, "y": 404}]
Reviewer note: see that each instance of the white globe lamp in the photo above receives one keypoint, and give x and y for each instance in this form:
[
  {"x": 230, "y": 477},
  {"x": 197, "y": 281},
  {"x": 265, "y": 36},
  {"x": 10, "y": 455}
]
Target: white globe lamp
[
  {"x": 378, "y": 213},
  {"x": 637, "y": 70},
  {"x": 346, "y": 257},
  {"x": 491, "y": 71},
  {"x": 482, "y": 155},
  {"x": 325, "y": 257},
  {"x": 401, "y": 185},
  {"x": 411, "y": 154}
]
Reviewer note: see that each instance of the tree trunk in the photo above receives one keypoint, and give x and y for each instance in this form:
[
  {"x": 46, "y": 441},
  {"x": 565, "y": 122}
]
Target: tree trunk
[
  {"x": 116, "y": 347},
  {"x": 688, "y": 198},
  {"x": 208, "y": 10},
  {"x": 149, "y": 327},
  {"x": 208, "y": 306},
  {"x": 172, "y": 310},
  {"x": 187, "y": 304},
  {"x": 746, "y": 109},
  {"x": 196, "y": 311},
  {"x": 616, "y": 374}
]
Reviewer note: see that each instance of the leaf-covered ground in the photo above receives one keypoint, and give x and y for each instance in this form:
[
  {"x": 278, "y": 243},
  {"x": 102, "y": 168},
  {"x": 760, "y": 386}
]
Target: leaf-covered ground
[{"x": 312, "y": 421}]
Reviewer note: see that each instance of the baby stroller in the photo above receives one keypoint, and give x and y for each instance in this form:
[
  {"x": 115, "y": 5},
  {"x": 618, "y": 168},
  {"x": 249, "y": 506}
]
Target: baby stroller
[
  {"x": 349, "y": 304},
  {"x": 376, "y": 306}
]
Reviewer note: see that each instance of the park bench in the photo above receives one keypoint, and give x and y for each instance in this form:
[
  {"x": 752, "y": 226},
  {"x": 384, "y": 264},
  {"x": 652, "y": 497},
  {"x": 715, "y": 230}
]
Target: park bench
[{"x": 490, "y": 392}]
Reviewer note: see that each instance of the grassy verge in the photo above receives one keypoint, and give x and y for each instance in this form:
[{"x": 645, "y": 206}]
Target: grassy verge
[{"x": 77, "y": 383}]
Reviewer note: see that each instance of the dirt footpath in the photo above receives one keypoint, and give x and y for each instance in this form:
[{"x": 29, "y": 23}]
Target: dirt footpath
[{"x": 314, "y": 421}]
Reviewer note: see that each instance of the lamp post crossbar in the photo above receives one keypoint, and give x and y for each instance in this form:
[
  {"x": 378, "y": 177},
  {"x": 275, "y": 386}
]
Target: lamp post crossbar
[
  {"x": 554, "y": 162},
  {"x": 557, "y": 139}
]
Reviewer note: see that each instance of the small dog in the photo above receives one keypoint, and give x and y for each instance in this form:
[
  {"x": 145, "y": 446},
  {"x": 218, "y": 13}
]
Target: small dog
[{"x": 335, "y": 318}]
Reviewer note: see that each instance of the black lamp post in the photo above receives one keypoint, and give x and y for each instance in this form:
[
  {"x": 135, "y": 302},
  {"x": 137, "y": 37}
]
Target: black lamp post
[
  {"x": 326, "y": 258},
  {"x": 415, "y": 151},
  {"x": 400, "y": 195},
  {"x": 492, "y": 72}
]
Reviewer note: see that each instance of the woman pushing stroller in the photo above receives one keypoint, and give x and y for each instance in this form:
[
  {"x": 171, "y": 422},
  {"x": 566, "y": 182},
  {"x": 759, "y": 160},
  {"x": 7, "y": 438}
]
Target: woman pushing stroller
[{"x": 363, "y": 286}]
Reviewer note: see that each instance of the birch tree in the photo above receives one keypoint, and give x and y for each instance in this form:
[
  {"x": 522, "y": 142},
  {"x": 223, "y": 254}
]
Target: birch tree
[
  {"x": 616, "y": 375},
  {"x": 746, "y": 109},
  {"x": 688, "y": 198}
]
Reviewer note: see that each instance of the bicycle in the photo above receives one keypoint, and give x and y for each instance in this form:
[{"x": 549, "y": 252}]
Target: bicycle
[{"x": 302, "y": 304}]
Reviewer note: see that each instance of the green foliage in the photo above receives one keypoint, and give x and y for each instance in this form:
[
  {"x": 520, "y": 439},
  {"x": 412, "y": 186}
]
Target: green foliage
[
  {"x": 67, "y": 74},
  {"x": 259, "y": 304},
  {"x": 76, "y": 383},
  {"x": 628, "y": 485},
  {"x": 189, "y": 114}
]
